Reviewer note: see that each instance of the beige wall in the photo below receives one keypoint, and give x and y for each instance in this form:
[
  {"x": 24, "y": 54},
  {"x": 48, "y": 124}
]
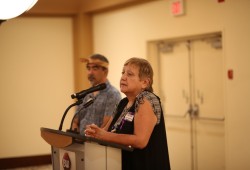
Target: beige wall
[
  {"x": 47, "y": 70},
  {"x": 36, "y": 71},
  {"x": 124, "y": 33}
]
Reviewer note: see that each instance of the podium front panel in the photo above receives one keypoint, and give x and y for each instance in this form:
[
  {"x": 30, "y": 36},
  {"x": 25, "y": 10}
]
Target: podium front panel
[
  {"x": 71, "y": 157},
  {"x": 95, "y": 156},
  {"x": 114, "y": 158},
  {"x": 87, "y": 156}
]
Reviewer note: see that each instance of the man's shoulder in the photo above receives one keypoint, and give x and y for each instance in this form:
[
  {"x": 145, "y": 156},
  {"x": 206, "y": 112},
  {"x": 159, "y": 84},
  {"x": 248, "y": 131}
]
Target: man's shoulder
[
  {"x": 113, "y": 92},
  {"x": 111, "y": 88},
  {"x": 114, "y": 89}
]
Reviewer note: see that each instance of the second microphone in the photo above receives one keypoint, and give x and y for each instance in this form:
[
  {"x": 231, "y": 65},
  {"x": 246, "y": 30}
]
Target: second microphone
[{"x": 83, "y": 93}]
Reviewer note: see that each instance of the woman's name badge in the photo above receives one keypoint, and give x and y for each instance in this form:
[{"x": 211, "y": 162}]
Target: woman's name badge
[{"x": 129, "y": 117}]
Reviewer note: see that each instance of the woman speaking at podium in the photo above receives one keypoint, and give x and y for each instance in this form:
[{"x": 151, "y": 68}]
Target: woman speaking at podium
[{"x": 138, "y": 120}]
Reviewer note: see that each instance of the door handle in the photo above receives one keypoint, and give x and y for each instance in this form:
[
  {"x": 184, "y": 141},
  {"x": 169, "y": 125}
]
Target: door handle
[
  {"x": 185, "y": 96},
  {"x": 200, "y": 97},
  {"x": 222, "y": 118}
]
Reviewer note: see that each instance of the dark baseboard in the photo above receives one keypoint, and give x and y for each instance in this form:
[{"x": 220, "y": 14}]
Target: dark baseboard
[{"x": 7, "y": 163}]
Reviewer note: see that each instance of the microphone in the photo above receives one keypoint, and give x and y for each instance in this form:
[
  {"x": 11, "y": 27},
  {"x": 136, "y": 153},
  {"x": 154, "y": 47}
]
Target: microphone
[
  {"x": 83, "y": 93},
  {"x": 85, "y": 105},
  {"x": 88, "y": 102}
]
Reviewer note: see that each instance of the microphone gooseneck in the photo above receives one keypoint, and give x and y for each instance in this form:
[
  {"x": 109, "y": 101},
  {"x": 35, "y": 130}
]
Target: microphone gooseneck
[
  {"x": 83, "y": 93},
  {"x": 85, "y": 105}
]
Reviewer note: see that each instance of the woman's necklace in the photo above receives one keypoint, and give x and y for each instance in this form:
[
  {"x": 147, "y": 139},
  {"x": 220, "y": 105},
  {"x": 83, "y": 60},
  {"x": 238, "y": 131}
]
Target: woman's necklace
[{"x": 121, "y": 119}]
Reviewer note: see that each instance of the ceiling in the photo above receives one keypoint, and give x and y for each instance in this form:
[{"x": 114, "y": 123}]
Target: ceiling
[{"x": 72, "y": 7}]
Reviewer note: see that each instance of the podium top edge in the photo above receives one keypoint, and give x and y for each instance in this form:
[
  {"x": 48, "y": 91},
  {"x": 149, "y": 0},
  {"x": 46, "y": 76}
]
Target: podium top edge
[{"x": 76, "y": 137}]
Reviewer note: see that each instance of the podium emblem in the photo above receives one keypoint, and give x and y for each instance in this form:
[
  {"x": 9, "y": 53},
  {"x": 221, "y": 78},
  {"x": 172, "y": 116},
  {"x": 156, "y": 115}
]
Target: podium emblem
[{"x": 66, "y": 163}]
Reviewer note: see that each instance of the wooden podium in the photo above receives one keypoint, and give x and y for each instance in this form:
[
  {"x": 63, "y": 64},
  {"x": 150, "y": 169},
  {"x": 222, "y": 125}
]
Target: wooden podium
[{"x": 70, "y": 150}]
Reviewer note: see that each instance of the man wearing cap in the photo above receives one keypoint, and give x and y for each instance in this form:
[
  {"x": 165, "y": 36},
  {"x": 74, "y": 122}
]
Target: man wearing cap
[{"x": 104, "y": 100}]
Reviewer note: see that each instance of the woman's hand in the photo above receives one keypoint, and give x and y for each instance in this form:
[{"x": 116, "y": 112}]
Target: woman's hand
[{"x": 94, "y": 131}]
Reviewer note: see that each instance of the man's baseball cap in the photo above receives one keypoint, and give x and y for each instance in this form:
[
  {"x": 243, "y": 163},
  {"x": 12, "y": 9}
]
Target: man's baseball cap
[{"x": 96, "y": 59}]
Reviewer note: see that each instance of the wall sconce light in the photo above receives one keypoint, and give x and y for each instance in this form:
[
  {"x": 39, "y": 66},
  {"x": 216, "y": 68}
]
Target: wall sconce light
[{"x": 13, "y": 8}]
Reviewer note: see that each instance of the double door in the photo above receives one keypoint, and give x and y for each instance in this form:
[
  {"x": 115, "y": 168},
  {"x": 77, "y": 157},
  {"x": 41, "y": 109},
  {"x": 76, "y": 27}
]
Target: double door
[{"x": 190, "y": 84}]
